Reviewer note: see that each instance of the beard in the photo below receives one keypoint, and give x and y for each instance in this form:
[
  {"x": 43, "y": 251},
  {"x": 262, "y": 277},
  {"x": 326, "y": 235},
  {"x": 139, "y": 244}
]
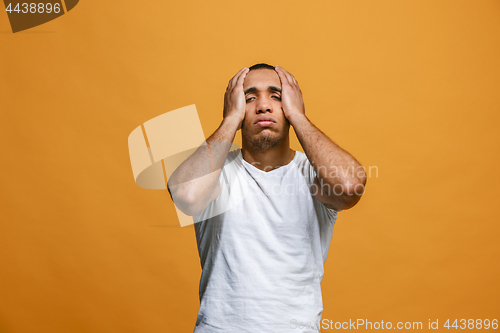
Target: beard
[{"x": 266, "y": 139}]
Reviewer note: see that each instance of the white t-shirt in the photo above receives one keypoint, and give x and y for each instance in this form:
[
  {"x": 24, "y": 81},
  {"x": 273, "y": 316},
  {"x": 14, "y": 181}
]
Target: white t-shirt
[{"x": 262, "y": 245}]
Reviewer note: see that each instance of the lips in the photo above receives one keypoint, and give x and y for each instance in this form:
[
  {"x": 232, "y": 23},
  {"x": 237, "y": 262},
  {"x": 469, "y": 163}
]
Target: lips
[{"x": 264, "y": 121}]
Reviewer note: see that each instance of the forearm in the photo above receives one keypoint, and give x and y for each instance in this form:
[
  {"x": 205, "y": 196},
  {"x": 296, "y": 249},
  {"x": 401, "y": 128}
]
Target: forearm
[
  {"x": 335, "y": 167},
  {"x": 194, "y": 181}
]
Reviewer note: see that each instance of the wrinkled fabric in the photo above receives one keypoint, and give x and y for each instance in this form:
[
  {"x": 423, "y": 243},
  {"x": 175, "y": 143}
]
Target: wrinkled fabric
[{"x": 262, "y": 259}]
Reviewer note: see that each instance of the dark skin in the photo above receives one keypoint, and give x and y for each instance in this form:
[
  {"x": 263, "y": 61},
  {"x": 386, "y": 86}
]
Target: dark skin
[
  {"x": 341, "y": 179},
  {"x": 274, "y": 97}
]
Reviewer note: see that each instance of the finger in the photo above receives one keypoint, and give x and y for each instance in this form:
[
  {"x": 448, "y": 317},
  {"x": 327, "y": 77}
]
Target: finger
[
  {"x": 230, "y": 84},
  {"x": 295, "y": 83},
  {"x": 291, "y": 78},
  {"x": 235, "y": 78},
  {"x": 283, "y": 75},
  {"x": 242, "y": 76},
  {"x": 288, "y": 76}
]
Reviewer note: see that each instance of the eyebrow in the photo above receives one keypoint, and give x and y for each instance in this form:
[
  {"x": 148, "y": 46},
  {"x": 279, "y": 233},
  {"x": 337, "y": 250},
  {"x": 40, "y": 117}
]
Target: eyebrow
[{"x": 272, "y": 88}]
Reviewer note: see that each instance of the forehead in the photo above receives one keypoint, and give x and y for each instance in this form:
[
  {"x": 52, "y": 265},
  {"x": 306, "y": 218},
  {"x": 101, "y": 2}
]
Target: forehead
[{"x": 261, "y": 79}]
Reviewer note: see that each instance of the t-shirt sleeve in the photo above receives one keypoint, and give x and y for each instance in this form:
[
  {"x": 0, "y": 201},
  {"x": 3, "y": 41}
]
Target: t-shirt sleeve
[
  {"x": 222, "y": 203},
  {"x": 326, "y": 216},
  {"x": 310, "y": 174},
  {"x": 213, "y": 208}
]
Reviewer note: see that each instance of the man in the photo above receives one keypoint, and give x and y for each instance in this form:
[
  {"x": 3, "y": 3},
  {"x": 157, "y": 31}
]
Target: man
[{"x": 264, "y": 213}]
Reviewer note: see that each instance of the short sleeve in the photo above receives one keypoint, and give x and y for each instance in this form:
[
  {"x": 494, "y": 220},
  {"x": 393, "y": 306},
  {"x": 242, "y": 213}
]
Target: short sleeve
[
  {"x": 326, "y": 216},
  {"x": 310, "y": 174},
  {"x": 223, "y": 202}
]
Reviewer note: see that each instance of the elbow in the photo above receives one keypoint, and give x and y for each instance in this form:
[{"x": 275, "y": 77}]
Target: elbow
[
  {"x": 354, "y": 187},
  {"x": 352, "y": 192},
  {"x": 183, "y": 200},
  {"x": 186, "y": 205}
]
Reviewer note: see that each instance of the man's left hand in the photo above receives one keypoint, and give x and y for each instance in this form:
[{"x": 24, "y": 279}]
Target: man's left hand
[{"x": 291, "y": 95}]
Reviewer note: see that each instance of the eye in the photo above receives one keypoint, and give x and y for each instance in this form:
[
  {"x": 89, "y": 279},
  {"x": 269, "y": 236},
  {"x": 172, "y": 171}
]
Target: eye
[
  {"x": 248, "y": 99},
  {"x": 278, "y": 98}
]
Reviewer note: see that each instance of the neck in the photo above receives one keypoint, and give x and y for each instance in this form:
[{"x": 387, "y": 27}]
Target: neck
[{"x": 269, "y": 159}]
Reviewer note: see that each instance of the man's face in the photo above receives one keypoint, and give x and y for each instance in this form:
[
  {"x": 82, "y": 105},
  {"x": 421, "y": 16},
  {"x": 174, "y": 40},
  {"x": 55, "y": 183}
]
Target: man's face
[{"x": 263, "y": 100}]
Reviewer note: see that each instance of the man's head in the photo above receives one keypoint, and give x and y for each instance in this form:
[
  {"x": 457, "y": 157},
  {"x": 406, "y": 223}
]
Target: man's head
[{"x": 262, "y": 87}]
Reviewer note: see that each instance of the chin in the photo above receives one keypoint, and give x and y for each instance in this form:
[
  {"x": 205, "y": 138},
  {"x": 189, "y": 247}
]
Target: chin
[{"x": 267, "y": 140}]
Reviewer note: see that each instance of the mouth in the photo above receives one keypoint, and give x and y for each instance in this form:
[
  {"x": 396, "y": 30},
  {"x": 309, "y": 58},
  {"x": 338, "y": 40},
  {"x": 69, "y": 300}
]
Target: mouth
[{"x": 265, "y": 122}]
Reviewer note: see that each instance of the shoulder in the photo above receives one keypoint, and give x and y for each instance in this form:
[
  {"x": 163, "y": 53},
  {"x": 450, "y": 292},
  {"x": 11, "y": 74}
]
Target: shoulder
[
  {"x": 233, "y": 155},
  {"x": 304, "y": 166},
  {"x": 300, "y": 156},
  {"x": 233, "y": 161},
  {"x": 307, "y": 170}
]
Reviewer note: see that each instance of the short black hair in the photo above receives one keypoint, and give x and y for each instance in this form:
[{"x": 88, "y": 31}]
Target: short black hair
[{"x": 261, "y": 65}]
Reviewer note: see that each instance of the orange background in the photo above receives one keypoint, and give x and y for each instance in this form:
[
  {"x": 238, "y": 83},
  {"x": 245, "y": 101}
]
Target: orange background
[{"x": 410, "y": 87}]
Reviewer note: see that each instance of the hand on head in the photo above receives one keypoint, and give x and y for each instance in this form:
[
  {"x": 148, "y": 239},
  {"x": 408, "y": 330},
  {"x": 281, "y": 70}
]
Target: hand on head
[
  {"x": 291, "y": 98},
  {"x": 234, "y": 98}
]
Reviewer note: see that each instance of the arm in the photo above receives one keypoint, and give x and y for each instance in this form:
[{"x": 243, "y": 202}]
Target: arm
[
  {"x": 194, "y": 184},
  {"x": 341, "y": 179}
]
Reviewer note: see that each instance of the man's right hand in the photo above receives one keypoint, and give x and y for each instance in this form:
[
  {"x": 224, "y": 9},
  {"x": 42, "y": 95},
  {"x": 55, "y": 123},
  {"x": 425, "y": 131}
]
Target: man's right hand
[{"x": 234, "y": 98}]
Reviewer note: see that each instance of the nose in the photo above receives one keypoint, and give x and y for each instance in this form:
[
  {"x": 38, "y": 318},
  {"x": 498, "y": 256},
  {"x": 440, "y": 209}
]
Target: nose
[{"x": 263, "y": 105}]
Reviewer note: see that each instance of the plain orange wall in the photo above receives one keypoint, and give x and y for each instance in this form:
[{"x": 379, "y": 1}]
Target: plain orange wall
[{"x": 409, "y": 87}]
